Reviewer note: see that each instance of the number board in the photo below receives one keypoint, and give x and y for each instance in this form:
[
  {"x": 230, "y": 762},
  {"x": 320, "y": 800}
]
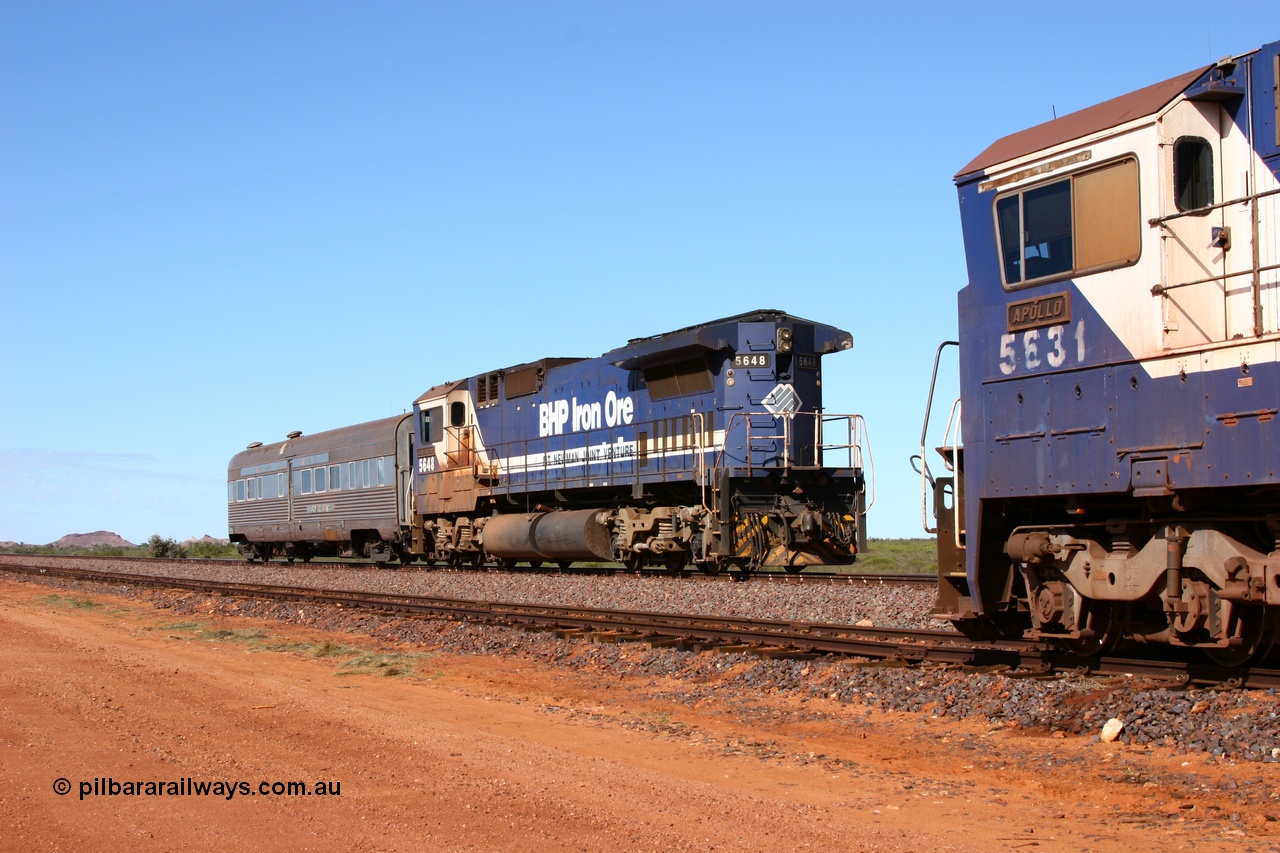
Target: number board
[
  {"x": 808, "y": 362},
  {"x": 760, "y": 359}
]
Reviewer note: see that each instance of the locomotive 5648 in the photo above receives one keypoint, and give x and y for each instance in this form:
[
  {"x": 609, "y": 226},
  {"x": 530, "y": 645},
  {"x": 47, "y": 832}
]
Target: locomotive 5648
[
  {"x": 1119, "y": 348},
  {"x": 707, "y": 445}
]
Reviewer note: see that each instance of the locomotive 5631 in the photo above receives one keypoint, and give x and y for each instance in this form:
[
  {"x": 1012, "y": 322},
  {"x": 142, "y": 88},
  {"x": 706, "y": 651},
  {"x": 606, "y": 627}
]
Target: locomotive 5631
[{"x": 1119, "y": 348}]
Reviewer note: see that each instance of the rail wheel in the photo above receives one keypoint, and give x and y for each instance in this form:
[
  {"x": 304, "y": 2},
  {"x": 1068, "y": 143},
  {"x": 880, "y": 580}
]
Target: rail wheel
[
  {"x": 1105, "y": 619},
  {"x": 1256, "y": 627},
  {"x": 634, "y": 561},
  {"x": 675, "y": 561},
  {"x": 564, "y": 564}
]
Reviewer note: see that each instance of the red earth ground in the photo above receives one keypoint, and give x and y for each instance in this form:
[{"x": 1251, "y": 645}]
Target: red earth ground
[{"x": 462, "y": 752}]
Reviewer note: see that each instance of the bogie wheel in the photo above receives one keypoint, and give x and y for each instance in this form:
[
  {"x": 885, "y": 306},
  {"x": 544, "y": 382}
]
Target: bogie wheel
[
  {"x": 1105, "y": 619},
  {"x": 564, "y": 564},
  {"x": 1257, "y": 629},
  {"x": 634, "y": 561}
]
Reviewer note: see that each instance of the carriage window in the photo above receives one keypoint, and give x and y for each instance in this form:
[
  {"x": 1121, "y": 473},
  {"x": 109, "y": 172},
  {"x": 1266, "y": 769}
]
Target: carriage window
[
  {"x": 457, "y": 414},
  {"x": 1192, "y": 173},
  {"x": 320, "y": 479},
  {"x": 334, "y": 478},
  {"x": 1084, "y": 223},
  {"x": 304, "y": 481}
]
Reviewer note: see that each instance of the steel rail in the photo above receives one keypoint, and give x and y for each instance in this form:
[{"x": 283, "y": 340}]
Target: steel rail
[
  {"x": 768, "y": 637},
  {"x": 763, "y": 576}
]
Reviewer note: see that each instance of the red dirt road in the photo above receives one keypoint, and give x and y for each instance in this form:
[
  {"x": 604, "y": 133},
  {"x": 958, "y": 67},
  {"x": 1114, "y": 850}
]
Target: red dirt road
[{"x": 471, "y": 753}]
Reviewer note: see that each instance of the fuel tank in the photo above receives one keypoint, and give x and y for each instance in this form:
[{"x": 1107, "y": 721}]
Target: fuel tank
[{"x": 557, "y": 536}]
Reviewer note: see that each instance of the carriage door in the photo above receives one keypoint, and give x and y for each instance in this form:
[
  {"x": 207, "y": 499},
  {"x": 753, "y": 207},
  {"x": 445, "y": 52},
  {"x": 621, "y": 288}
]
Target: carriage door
[
  {"x": 404, "y": 471},
  {"x": 1199, "y": 304}
]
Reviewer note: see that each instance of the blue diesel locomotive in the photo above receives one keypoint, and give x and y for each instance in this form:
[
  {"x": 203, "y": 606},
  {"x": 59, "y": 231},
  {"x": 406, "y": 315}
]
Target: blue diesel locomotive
[
  {"x": 708, "y": 445},
  {"x": 1119, "y": 471},
  {"x": 705, "y": 446}
]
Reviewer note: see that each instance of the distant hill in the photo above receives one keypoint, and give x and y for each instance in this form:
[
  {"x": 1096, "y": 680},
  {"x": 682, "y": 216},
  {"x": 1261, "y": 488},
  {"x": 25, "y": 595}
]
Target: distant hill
[
  {"x": 206, "y": 538},
  {"x": 88, "y": 540}
]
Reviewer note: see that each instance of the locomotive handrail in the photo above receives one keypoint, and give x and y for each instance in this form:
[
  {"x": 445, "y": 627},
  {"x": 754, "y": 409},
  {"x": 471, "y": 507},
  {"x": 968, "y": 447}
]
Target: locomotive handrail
[
  {"x": 699, "y": 454},
  {"x": 952, "y": 420},
  {"x": 1200, "y": 211},
  {"x": 1160, "y": 289},
  {"x": 1255, "y": 269},
  {"x": 949, "y": 460},
  {"x": 853, "y": 447},
  {"x": 925, "y": 476},
  {"x": 857, "y": 436}
]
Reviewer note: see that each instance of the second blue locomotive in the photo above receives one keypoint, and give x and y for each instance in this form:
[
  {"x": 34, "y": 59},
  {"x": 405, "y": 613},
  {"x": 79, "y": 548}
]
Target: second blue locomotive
[{"x": 707, "y": 445}]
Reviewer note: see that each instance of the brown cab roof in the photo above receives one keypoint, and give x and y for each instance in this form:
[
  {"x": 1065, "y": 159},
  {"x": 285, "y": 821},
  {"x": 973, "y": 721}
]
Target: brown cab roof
[{"x": 1083, "y": 122}]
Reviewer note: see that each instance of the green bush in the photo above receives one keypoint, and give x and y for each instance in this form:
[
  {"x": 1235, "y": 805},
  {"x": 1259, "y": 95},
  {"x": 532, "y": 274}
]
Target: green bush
[
  {"x": 211, "y": 550},
  {"x": 162, "y": 546}
]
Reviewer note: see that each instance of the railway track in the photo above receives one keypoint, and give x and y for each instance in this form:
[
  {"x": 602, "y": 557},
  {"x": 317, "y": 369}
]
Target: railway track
[
  {"x": 765, "y": 637},
  {"x": 778, "y": 577}
]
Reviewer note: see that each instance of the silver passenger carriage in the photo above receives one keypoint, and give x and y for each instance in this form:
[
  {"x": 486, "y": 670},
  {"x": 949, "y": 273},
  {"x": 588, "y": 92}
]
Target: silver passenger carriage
[{"x": 341, "y": 493}]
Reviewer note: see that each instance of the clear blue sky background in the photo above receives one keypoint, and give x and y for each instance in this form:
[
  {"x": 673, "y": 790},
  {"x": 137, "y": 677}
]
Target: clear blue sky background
[{"x": 223, "y": 221}]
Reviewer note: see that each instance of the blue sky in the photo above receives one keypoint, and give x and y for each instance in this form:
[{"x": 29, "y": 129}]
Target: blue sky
[{"x": 220, "y": 222}]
